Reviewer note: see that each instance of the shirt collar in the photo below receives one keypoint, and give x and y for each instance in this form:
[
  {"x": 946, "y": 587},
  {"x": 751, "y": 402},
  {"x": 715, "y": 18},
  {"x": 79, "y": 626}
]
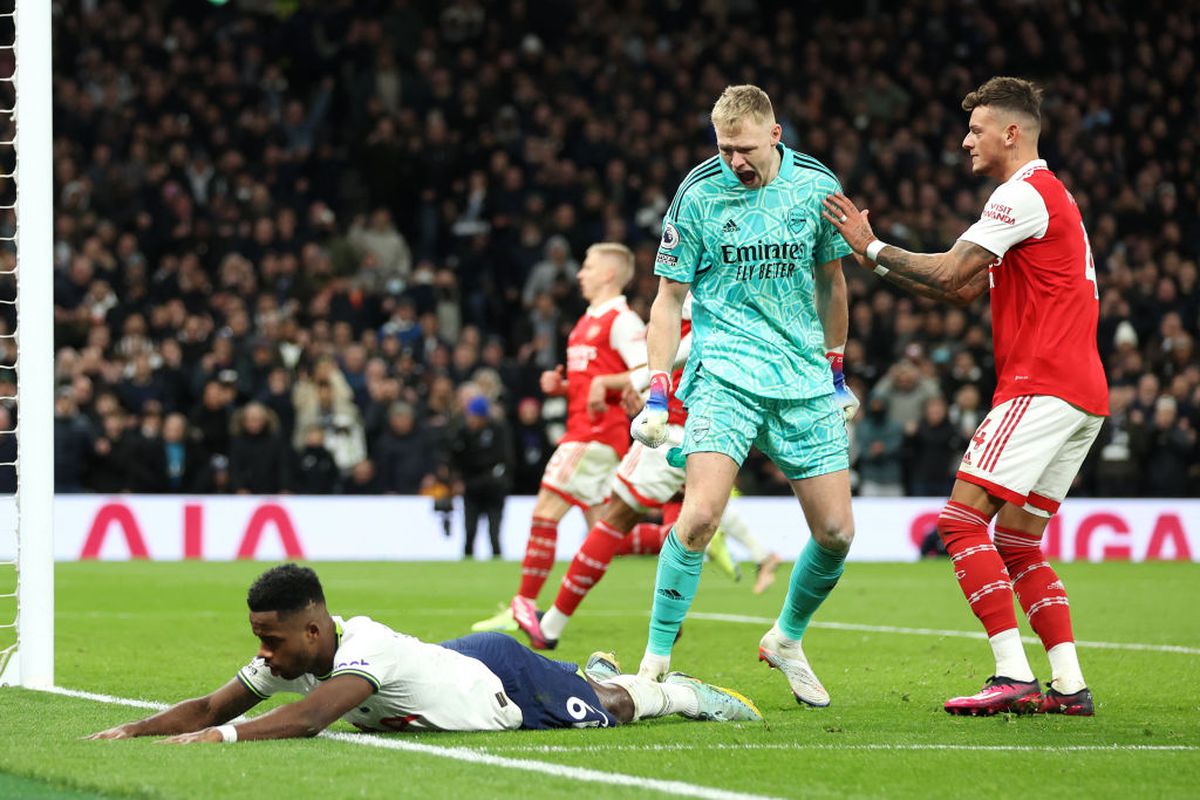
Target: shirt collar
[
  {"x": 1025, "y": 169},
  {"x": 606, "y": 306},
  {"x": 337, "y": 645}
]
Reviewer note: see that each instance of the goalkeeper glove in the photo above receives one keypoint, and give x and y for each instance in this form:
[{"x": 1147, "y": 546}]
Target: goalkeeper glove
[
  {"x": 841, "y": 393},
  {"x": 650, "y": 426}
]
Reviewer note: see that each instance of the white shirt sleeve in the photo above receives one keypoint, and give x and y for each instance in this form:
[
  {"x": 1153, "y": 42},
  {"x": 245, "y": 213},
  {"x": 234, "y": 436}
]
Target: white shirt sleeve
[
  {"x": 256, "y": 676},
  {"x": 1015, "y": 212},
  {"x": 628, "y": 337}
]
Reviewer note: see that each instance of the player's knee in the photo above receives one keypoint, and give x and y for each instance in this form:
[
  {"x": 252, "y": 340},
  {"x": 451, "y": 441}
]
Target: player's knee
[
  {"x": 834, "y": 535},
  {"x": 696, "y": 529}
]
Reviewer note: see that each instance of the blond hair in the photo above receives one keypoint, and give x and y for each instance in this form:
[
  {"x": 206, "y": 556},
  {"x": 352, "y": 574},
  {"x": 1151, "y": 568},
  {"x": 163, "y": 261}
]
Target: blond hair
[
  {"x": 737, "y": 103},
  {"x": 622, "y": 257}
]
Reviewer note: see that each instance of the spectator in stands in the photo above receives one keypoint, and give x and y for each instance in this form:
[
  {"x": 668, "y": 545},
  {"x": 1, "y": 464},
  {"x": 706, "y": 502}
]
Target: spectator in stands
[
  {"x": 212, "y": 417},
  {"x": 1171, "y": 452},
  {"x": 259, "y": 459},
  {"x": 316, "y": 472},
  {"x": 385, "y": 261},
  {"x": 532, "y": 448},
  {"x": 405, "y": 460},
  {"x": 73, "y": 443},
  {"x": 558, "y": 267},
  {"x": 934, "y": 449},
  {"x": 1114, "y": 463},
  {"x": 117, "y": 463},
  {"x": 879, "y": 439},
  {"x": 363, "y": 479},
  {"x": 904, "y": 392},
  {"x": 177, "y": 462}
]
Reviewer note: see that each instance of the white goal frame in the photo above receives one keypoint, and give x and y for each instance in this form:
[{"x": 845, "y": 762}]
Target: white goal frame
[{"x": 32, "y": 665}]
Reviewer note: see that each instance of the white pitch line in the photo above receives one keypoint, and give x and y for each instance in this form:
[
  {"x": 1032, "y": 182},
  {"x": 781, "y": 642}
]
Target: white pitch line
[
  {"x": 105, "y": 698},
  {"x": 477, "y": 756},
  {"x": 484, "y": 755},
  {"x": 1069, "y": 748},
  {"x": 848, "y": 626}
]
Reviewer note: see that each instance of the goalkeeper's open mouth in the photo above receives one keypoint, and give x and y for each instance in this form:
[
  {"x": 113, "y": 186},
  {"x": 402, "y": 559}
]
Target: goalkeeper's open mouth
[{"x": 748, "y": 177}]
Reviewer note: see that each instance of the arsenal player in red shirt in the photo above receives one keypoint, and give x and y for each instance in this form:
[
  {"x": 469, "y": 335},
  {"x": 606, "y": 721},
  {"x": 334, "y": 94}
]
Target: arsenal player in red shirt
[
  {"x": 1030, "y": 249},
  {"x": 608, "y": 341}
]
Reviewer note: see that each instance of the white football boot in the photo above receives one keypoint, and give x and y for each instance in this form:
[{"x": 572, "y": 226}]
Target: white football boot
[{"x": 787, "y": 656}]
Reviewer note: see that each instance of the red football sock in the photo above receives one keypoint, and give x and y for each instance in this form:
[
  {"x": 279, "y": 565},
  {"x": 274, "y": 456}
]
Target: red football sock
[
  {"x": 539, "y": 556},
  {"x": 645, "y": 539},
  {"x": 1036, "y": 585},
  {"x": 588, "y": 566},
  {"x": 977, "y": 566}
]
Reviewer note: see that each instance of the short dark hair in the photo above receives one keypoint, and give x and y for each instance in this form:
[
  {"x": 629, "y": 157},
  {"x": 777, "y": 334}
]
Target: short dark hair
[
  {"x": 1014, "y": 94},
  {"x": 285, "y": 589}
]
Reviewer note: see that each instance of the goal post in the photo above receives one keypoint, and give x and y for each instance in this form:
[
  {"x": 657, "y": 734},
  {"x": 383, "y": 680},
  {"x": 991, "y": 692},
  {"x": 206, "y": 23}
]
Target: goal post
[{"x": 33, "y": 663}]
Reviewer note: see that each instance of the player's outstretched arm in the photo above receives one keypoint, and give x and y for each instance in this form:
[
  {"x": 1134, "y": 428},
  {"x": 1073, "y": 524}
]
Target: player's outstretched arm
[
  {"x": 834, "y": 312},
  {"x": 662, "y": 334},
  {"x": 662, "y": 341},
  {"x": 304, "y": 718},
  {"x": 957, "y": 276},
  {"x": 230, "y": 701},
  {"x": 832, "y": 307}
]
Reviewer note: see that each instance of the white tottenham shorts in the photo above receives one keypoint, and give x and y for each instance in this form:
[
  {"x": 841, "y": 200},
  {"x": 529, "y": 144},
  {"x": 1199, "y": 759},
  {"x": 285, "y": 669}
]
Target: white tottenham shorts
[
  {"x": 581, "y": 472},
  {"x": 1028, "y": 450}
]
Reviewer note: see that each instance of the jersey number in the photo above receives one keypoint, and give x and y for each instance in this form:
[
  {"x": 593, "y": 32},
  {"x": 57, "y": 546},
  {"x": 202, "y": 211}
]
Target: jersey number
[
  {"x": 1089, "y": 263},
  {"x": 579, "y": 710}
]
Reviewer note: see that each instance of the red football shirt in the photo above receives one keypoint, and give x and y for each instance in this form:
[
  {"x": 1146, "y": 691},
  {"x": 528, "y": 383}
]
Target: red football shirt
[
  {"x": 608, "y": 338},
  {"x": 1045, "y": 301}
]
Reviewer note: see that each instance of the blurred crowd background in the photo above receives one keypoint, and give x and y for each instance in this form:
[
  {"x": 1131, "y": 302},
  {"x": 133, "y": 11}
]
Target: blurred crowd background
[{"x": 318, "y": 246}]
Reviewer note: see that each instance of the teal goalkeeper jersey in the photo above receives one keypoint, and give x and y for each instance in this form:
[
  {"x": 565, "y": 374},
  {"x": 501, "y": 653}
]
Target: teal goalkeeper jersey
[{"x": 750, "y": 256}]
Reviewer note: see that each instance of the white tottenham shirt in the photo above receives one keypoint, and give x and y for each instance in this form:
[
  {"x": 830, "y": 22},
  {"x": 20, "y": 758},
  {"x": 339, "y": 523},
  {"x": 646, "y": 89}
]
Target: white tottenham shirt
[{"x": 417, "y": 685}]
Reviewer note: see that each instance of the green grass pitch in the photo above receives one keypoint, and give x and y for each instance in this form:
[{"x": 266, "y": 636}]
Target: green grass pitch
[{"x": 164, "y": 632}]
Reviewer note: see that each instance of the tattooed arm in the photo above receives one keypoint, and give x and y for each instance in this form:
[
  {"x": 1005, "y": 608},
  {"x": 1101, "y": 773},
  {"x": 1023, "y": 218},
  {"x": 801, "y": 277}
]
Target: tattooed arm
[{"x": 957, "y": 276}]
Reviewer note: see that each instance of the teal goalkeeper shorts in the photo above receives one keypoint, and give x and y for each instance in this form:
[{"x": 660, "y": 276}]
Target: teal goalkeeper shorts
[{"x": 805, "y": 438}]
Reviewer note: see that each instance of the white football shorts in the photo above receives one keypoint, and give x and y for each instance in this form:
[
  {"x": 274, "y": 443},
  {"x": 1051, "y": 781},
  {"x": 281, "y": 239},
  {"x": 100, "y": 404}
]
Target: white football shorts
[
  {"x": 645, "y": 480},
  {"x": 1028, "y": 450},
  {"x": 581, "y": 472}
]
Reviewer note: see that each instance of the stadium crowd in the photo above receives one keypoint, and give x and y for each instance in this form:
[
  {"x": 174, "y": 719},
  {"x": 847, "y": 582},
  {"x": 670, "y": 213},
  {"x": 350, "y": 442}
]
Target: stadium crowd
[{"x": 293, "y": 248}]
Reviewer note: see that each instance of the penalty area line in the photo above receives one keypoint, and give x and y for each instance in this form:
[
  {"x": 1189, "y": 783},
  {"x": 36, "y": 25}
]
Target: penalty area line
[
  {"x": 847, "y": 626},
  {"x": 475, "y": 756}
]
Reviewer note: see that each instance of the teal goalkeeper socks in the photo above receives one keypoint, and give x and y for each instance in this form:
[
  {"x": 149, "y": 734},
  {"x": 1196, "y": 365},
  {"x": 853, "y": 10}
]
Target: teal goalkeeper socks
[
  {"x": 813, "y": 577},
  {"x": 674, "y": 587}
]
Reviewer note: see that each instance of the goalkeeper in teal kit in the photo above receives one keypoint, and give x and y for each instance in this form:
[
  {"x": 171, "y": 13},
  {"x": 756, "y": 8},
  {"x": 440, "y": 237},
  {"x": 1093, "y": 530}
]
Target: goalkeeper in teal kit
[{"x": 745, "y": 235}]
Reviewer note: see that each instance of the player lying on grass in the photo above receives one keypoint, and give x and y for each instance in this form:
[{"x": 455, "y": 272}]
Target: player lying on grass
[{"x": 380, "y": 680}]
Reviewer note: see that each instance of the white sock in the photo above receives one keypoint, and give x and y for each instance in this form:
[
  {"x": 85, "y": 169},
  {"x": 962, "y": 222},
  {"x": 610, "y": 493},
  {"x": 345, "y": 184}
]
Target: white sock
[
  {"x": 736, "y": 528},
  {"x": 553, "y": 622},
  {"x": 1010, "y": 655},
  {"x": 1064, "y": 668},
  {"x": 653, "y": 699},
  {"x": 654, "y": 667}
]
